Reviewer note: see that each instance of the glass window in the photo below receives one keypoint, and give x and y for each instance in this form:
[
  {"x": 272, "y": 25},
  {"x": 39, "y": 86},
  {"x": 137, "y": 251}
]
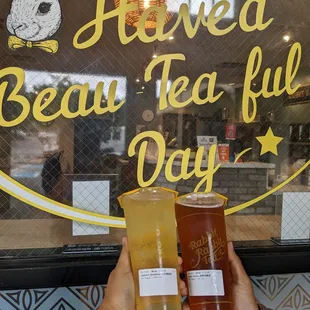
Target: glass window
[
  {"x": 158, "y": 85},
  {"x": 65, "y": 140},
  {"x": 231, "y": 11},
  {"x": 194, "y": 6}
]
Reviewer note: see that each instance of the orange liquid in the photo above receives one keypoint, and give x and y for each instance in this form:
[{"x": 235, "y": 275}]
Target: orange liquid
[{"x": 202, "y": 235}]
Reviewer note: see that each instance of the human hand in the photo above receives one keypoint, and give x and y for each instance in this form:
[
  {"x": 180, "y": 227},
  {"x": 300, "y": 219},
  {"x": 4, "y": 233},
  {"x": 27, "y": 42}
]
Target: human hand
[
  {"x": 183, "y": 287},
  {"x": 242, "y": 290},
  {"x": 120, "y": 292}
]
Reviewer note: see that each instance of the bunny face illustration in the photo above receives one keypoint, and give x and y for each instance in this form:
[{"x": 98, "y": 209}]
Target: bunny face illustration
[{"x": 34, "y": 20}]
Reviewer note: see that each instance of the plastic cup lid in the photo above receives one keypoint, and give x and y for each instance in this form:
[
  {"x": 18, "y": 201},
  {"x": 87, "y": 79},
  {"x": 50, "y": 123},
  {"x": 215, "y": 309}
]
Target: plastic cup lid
[
  {"x": 141, "y": 189},
  {"x": 210, "y": 198}
]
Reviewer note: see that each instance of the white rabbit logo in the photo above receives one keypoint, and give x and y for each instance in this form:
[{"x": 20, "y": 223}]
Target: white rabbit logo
[{"x": 32, "y": 23}]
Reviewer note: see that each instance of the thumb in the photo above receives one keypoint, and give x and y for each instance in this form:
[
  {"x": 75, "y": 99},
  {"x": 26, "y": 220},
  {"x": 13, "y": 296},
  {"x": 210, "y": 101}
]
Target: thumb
[
  {"x": 237, "y": 271},
  {"x": 123, "y": 263}
]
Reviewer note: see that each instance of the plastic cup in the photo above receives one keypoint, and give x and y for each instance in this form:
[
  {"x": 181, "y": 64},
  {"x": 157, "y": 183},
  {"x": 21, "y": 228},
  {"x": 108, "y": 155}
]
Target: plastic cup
[
  {"x": 152, "y": 239},
  {"x": 202, "y": 234}
]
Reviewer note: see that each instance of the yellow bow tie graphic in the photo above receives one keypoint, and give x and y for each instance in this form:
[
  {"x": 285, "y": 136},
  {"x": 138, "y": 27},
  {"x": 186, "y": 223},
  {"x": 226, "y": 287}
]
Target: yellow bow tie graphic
[{"x": 50, "y": 46}]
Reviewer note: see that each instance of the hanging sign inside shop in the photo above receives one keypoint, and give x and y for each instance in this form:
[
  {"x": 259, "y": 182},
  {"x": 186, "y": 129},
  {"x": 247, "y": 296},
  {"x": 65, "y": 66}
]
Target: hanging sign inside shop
[
  {"x": 37, "y": 29},
  {"x": 231, "y": 132},
  {"x": 223, "y": 150}
]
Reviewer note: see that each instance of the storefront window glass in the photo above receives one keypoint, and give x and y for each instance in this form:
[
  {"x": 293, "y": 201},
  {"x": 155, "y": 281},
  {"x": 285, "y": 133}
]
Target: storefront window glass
[{"x": 70, "y": 142}]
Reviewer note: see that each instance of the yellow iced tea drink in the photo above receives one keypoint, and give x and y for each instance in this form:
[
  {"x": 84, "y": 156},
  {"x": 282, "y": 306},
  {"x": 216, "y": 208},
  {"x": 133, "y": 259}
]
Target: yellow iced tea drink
[{"x": 152, "y": 238}]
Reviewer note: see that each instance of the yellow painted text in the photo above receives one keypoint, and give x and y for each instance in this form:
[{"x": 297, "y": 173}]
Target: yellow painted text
[{"x": 140, "y": 149}]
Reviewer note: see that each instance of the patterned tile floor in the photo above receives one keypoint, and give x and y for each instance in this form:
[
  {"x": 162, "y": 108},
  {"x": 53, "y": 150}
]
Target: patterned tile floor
[
  {"x": 283, "y": 292},
  {"x": 71, "y": 298},
  {"x": 279, "y": 292}
]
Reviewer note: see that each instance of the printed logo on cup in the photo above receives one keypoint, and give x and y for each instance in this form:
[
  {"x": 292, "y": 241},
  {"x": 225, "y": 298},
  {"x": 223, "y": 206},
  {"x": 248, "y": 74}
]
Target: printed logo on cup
[{"x": 201, "y": 249}]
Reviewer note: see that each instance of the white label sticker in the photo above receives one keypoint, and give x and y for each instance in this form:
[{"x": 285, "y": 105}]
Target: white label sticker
[
  {"x": 158, "y": 282},
  {"x": 205, "y": 283}
]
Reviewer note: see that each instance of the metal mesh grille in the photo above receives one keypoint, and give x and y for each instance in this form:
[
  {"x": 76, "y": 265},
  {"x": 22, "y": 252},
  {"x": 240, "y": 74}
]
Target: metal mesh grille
[{"x": 49, "y": 157}]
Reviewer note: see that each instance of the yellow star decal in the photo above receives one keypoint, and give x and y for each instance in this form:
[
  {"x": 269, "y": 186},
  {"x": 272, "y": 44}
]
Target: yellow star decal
[{"x": 269, "y": 142}]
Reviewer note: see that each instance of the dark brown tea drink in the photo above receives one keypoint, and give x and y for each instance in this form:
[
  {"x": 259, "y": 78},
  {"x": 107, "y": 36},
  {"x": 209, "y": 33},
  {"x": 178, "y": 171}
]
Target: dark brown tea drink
[{"x": 202, "y": 234}]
